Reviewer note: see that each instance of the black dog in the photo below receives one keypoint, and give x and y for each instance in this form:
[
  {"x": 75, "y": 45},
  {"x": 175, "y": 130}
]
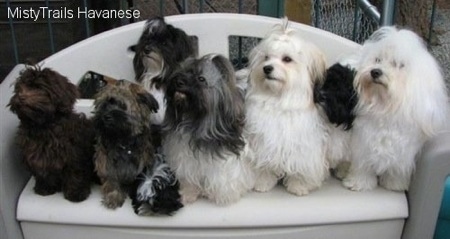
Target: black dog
[
  {"x": 159, "y": 51},
  {"x": 57, "y": 143},
  {"x": 155, "y": 190},
  {"x": 337, "y": 95}
]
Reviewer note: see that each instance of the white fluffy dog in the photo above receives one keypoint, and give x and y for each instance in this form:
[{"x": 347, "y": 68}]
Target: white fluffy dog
[
  {"x": 402, "y": 103},
  {"x": 284, "y": 125}
]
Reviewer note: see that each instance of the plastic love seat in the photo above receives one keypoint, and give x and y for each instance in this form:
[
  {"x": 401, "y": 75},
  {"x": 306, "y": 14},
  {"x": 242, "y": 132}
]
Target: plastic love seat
[{"x": 330, "y": 212}]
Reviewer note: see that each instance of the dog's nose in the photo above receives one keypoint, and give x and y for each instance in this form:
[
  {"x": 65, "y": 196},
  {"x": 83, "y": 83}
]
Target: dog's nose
[
  {"x": 179, "y": 83},
  {"x": 375, "y": 73},
  {"x": 268, "y": 69},
  {"x": 147, "y": 49}
]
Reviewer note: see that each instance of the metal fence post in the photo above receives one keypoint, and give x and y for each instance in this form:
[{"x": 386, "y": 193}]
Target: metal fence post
[
  {"x": 387, "y": 13},
  {"x": 13, "y": 34},
  {"x": 50, "y": 29},
  {"x": 271, "y": 8}
]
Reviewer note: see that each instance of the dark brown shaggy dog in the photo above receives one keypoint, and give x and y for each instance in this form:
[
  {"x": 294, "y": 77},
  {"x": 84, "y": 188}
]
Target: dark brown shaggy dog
[
  {"x": 124, "y": 147},
  {"x": 57, "y": 144}
]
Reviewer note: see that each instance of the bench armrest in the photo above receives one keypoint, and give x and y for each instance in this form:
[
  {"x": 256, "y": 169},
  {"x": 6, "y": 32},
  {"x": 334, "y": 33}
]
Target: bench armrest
[{"x": 426, "y": 189}]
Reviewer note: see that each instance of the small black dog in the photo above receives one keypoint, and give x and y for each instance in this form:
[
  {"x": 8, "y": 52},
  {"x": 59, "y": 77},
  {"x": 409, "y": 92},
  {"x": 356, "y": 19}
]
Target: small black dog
[
  {"x": 159, "y": 51},
  {"x": 155, "y": 190},
  {"x": 337, "y": 95}
]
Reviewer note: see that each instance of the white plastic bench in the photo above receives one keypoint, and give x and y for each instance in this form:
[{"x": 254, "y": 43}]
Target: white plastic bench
[{"x": 331, "y": 212}]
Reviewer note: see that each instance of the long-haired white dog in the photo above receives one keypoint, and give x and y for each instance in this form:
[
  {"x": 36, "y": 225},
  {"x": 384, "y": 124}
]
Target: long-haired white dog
[
  {"x": 284, "y": 125},
  {"x": 204, "y": 123},
  {"x": 402, "y": 102}
]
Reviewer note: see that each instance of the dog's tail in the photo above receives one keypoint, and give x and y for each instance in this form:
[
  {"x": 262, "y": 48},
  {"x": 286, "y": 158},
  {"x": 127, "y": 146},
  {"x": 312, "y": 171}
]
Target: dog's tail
[{"x": 155, "y": 191}]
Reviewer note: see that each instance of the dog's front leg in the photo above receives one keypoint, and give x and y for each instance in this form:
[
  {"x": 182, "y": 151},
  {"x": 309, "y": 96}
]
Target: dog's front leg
[
  {"x": 396, "y": 180},
  {"x": 189, "y": 192},
  {"x": 113, "y": 196},
  {"x": 265, "y": 181},
  {"x": 47, "y": 185},
  {"x": 360, "y": 178}
]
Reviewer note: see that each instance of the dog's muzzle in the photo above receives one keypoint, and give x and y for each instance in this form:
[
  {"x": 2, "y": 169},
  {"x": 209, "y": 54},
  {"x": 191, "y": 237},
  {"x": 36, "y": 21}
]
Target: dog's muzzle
[
  {"x": 268, "y": 72},
  {"x": 376, "y": 74},
  {"x": 179, "y": 96}
]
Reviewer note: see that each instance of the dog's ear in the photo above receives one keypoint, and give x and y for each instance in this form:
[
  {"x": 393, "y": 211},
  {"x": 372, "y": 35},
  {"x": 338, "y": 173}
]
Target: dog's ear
[
  {"x": 63, "y": 92},
  {"x": 224, "y": 66},
  {"x": 317, "y": 65},
  {"x": 148, "y": 100},
  {"x": 137, "y": 64},
  {"x": 154, "y": 25},
  {"x": 382, "y": 33}
]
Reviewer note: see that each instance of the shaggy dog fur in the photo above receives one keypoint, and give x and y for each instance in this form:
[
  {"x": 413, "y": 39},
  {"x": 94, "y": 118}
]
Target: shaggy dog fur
[
  {"x": 57, "y": 144},
  {"x": 159, "y": 51},
  {"x": 285, "y": 127},
  {"x": 338, "y": 98},
  {"x": 204, "y": 124},
  {"x": 155, "y": 191},
  {"x": 91, "y": 83},
  {"x": 124, "y": 147},
  {"x": 402, "y": 102}
]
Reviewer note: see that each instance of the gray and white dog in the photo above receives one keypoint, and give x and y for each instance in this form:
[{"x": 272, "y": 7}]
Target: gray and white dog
[{"x": 203, "y": 129}]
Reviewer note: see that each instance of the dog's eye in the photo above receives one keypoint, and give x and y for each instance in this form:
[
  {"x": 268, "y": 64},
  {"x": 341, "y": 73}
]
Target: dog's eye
[
  {"x": 401, "y": 65},
  {"x": 287, "y": 59},
  {"x": 201, "y": 79},
  {"x": 266, "y": 57},
  {"x": 117, "y": 103},
  {"x": 377, "y": 60},
  {"x": 112, "y": 101}
]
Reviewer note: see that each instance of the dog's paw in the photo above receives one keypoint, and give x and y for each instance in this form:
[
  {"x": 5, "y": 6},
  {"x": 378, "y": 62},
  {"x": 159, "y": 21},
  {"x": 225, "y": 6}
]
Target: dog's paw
[
  {"x": 394, "y": 183},
  {"x": 44, "y": 190},
  {"x": 265, "y": 183},
  {"x": 297, "y": 187},
  {"x": 188, "y": 197},
  {"x": 360, "y": 183},
  {"x": 225, "y": 198},
  {"x": 341, "y": 170},
  {"x": 77, "y": 196},
  {"x": 297, "y": 190},
  {"x": 189, "y": 194},
  {"x": 113, "y": 200}
]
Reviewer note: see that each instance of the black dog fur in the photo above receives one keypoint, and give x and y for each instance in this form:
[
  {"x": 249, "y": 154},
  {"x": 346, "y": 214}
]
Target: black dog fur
[
  {"x": 155, "y": 191},
  {"x": 337, "y": 95}
]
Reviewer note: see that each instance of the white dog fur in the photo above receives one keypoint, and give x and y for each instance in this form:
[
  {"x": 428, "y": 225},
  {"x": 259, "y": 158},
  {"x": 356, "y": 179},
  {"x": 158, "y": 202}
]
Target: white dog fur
[
  {"x": 221, "y": 180},
  {"x": 402, "y": 103},
  {"x": 284, "y": 126}
]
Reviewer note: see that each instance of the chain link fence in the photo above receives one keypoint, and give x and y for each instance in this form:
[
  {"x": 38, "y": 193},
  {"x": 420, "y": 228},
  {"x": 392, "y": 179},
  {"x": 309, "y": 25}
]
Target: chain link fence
[
  {"x": 440, "y": 37},
  {"x": 337, "y": 16},
  {"x": 341, "y": 17},
  {"x": 152, "y": 8}
]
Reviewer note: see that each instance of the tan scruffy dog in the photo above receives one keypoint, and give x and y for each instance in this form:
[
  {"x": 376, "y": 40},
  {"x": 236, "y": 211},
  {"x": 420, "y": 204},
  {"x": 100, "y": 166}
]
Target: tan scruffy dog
[{"x": 122, "y": 121}]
